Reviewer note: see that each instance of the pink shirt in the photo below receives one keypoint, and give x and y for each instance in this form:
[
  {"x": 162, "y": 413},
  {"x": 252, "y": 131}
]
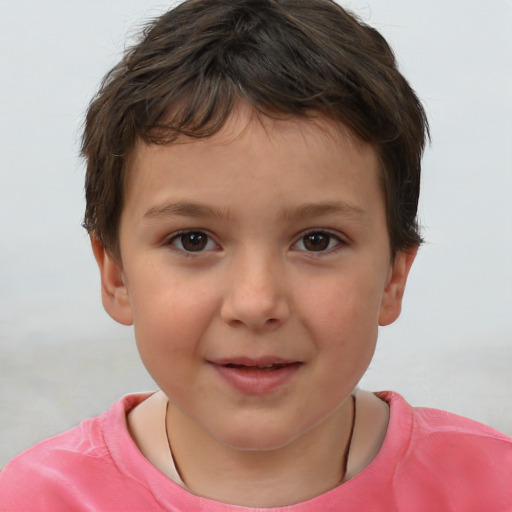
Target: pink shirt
[{"x": 430, "y": 461}]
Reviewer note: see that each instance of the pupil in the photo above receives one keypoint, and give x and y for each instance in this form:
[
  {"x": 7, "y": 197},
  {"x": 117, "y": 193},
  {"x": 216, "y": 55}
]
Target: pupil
[
  {"x": 194, "y": 241},
  {"x": 316, "y": 242}
]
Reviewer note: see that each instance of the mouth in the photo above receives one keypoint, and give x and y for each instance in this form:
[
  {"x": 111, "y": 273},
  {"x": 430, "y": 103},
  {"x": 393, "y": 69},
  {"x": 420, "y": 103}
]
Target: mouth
[
  {"x": 255, "y": 368},
  {"x": 257, "y": 376},
  {"x": 267, "y": 363}
]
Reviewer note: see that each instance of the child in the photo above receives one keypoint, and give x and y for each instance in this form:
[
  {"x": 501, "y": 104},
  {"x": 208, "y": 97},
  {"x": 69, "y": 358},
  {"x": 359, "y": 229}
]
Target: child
[{"x": 252, "y": 183}]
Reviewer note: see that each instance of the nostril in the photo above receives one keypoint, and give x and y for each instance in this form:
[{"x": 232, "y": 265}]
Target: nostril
[{"x": 255, "y": 312}]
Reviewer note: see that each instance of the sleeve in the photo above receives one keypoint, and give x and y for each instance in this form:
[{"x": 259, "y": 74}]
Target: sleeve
[
  {"x": 26, "y": 485},
  {"x": 68, "y": 472}
]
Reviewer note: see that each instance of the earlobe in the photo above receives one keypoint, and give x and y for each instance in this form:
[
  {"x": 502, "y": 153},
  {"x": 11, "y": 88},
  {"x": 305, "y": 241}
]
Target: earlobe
[
  {"x": 391, "y": 304},
  {"x": 114, "y": 293}
]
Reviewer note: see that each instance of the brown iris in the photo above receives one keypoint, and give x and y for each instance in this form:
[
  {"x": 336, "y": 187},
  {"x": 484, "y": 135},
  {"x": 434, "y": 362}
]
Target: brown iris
[
  {"x": 316, "y": 241},
  {"x": 194, "y": 241}
]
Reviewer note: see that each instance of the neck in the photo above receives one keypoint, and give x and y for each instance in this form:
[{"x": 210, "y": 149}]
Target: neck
[{"x": 305, "y": 467}]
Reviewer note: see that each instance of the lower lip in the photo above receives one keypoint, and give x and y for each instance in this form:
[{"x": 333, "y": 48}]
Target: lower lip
[{"x": 257, "y": 381}]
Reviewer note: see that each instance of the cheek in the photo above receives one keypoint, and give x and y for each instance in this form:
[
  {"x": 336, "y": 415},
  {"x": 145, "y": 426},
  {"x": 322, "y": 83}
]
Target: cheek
[
  {"x": 171, "y": 300},
  {"x": 343, "y": 305},
  {"x": 170, "y": 319},
  {"x": 343, "y": 323}
]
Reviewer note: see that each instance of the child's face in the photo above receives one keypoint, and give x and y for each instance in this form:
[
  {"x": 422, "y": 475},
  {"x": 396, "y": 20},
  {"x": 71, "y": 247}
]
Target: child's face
[{"x": 263, "y": 246}]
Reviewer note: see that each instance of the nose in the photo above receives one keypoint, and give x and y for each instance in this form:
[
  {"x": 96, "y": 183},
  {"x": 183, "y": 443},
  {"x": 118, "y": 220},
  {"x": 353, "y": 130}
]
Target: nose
[{"x": 256, "y": 295}]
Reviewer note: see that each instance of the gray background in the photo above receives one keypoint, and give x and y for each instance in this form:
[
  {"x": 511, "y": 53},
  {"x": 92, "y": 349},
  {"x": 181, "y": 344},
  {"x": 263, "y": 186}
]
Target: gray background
[{"x": 62, "y": 358}]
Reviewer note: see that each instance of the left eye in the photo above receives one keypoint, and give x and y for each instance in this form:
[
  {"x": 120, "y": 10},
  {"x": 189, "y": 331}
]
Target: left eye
[
  {"x": 193, "y": 241},
  {"x": 318, "y": 241}
]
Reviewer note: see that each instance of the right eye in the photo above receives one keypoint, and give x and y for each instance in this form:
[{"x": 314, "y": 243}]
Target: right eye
[{"x": 192, "y": 241}]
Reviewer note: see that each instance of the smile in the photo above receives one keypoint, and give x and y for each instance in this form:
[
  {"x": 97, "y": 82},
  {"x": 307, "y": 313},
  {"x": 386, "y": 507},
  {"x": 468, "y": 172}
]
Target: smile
[
  {"x": 256, "y": 377},
  {"x": 267, "y": 367}
]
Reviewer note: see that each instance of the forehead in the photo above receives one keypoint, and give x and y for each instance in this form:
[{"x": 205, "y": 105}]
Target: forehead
[
  {"x": 253, "y": 151},
  {"x": 315, "y": 132}
]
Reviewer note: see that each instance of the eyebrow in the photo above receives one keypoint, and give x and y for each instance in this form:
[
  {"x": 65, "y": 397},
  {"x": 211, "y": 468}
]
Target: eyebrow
[
  {"x": 185, "y": 209},
  {"x": 304, "y": 211},
  {"x": 312, "y": 210}
]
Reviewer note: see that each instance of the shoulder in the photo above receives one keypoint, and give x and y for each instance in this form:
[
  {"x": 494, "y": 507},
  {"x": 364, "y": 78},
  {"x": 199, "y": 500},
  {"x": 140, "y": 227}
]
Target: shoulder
[
  {"x": 448, "y": 455},
  {"x": 430, "y": 425},
  {"x": 51, "y": 474}
]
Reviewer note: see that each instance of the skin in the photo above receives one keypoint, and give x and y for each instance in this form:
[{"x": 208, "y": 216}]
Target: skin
[{"x": 259, "y": 288}]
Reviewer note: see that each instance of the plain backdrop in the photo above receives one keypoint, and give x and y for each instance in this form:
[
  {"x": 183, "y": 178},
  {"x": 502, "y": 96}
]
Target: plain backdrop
[{"x": 62, "y": 358}]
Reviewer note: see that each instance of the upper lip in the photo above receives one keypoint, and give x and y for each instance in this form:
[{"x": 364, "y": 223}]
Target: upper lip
[{"x": 253, "y": 361}]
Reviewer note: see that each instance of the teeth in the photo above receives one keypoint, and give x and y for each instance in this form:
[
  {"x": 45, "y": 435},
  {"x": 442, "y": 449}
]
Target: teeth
[
  {"x": 272, "y": 366},
  {"x": 265, "y": 367}
]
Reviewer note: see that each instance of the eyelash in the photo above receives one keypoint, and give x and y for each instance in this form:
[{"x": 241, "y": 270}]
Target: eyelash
[
  {"x": 340, "y": 243},
  {"x": 178, "y": 236}
]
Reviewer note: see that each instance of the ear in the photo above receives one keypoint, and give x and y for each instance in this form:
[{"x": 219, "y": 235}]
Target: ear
[
  {"x": 114, "y": 293},
  {"x": 391, "y": 304}
]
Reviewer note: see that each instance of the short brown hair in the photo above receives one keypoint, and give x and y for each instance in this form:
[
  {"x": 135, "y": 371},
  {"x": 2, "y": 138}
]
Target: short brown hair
[{"x": 283, "y": 57}]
